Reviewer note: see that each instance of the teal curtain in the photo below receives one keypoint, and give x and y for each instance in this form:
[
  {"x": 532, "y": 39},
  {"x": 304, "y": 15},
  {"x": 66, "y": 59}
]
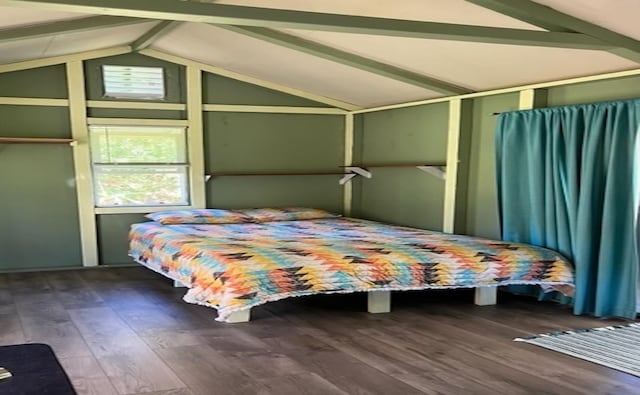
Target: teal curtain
[{"x": 565, "y": 181}]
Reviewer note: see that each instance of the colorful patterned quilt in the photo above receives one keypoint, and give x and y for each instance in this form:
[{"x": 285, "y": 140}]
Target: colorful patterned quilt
[{"x": 233, "y": 267}]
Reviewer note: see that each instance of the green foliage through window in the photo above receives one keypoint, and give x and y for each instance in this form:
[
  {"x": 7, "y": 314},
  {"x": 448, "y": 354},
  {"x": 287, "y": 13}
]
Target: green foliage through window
[{"x": 139, "y": 166}]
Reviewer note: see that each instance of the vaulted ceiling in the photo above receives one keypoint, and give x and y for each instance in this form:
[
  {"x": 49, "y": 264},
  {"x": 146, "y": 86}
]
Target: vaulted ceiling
[{"x": 362, "y": 52}]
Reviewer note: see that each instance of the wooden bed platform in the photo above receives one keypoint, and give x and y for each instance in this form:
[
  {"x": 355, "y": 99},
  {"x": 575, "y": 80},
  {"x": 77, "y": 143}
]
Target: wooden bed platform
[{"x": 377, "y": 302}]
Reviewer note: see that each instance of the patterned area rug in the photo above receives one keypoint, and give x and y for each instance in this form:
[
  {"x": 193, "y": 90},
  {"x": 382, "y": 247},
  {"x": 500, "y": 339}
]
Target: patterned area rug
[{"x": 617, "y": 347}]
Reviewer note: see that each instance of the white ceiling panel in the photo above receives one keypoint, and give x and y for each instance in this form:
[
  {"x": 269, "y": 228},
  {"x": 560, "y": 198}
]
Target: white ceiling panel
[
  {"x": 14, "y": 17},
  {"x": 64, "y": 44},
  {"x": 15, "y": 51},
  {"x": 446, "y": 11},
  {"x": 622, "y": 16},
  {"x": 474, "y": 65},
  {"x": 269, "y": 62},
  {"x": 96, "y": 39}
]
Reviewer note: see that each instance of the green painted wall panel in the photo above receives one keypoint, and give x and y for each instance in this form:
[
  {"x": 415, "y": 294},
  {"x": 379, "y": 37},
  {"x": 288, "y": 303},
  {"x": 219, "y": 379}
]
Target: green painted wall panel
[
  {"x": 113, "y": 232},
  {"x": 275, "y": 191},
  {"x": 482, "y": 212},
  {"x": 596, "y": 91},
  {"x": 404, "y": 196},
  {"x": 34, "y": 121},
  {"x": 38, "y": 209},
  {"x": 136, "y": 114},
  {"x": 44, "y": 82},
  {"x": 482, "y": 203},
  {"x": 222, "y": 90},
  {"x": 174, "y": 76},
  {"x": 287, "y": 142},
  {"x": 274, "y": 142}
]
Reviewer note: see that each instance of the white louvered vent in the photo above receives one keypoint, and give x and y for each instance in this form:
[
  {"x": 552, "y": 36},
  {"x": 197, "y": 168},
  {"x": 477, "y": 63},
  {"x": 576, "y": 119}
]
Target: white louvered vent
[{"x": 133, "y": 82}]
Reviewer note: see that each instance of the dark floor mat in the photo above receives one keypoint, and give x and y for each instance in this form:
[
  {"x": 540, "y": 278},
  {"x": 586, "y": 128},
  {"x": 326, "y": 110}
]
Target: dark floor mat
[{"x": 34, "y": 369}]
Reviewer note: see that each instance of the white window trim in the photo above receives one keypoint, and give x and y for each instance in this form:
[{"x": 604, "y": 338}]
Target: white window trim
[{"x": 146, "y": 123}]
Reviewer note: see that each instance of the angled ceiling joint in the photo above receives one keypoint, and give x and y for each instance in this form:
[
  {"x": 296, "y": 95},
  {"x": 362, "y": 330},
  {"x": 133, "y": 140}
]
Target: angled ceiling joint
[
  {"x": 66, "y": 27},
  {"x": 556, "y": 21},
  {"x": 346, "y": 58},
  {"x": 223, "y": 14},
  {"x": 149, "y": 37}
]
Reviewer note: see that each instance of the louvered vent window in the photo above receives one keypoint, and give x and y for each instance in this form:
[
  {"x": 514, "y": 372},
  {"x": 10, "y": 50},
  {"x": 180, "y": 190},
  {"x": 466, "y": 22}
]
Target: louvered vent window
[{"x": 132, "y": 82}]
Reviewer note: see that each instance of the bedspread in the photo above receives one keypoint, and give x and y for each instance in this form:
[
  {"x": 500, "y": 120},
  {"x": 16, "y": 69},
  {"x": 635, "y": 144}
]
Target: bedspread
[{"x": 233, "y": 267}]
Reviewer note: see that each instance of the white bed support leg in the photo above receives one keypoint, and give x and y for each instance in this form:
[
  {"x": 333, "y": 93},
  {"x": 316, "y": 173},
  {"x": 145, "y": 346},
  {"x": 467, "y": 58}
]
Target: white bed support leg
[
  {"x": 486, "y": 296},
  {"x": 238, "y": 317},
  {"x": 379, "y": 302}
]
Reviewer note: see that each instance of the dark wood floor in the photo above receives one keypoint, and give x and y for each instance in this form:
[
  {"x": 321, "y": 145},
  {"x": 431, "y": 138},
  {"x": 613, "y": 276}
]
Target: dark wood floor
[{"x": 126, "y": 331}]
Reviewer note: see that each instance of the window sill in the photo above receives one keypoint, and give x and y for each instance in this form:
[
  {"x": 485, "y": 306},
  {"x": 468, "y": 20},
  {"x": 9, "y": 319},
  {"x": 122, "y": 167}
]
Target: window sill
[{"x": 138, "y": 210}]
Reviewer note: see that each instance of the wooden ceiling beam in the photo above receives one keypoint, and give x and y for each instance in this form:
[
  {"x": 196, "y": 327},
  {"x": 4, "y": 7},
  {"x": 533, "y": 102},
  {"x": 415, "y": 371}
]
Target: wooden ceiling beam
[
  {"x": 149, "y": 37},
  {"x": 556, "y": 21},
  {"x": 67, "y": 27},
  {"x": 224, "y": 14}
]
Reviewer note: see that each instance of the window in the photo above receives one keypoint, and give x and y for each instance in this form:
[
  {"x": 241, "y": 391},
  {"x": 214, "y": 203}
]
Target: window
[
  {"x": 139, "y": 165},
  {"x": 132, "y": 82}
]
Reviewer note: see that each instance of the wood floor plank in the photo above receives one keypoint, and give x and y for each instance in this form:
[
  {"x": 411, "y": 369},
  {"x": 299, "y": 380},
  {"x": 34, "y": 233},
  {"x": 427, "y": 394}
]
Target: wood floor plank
[
  {"x": 205, "y": 371},
  {"x": 417, "y": 371},
  {"x": 23, "y": 284},
  {"x": 87, "y": 376},
  {"x": 128, "y": 362},
  {"x": 11, "y": 329},
  {"x": 502, "y": 378},
  {"x": 49, "y": 322},
  {"x": 303, "y": 384},
  {"x": 555, "y": 367},
  {"x": 342, "y": 370},
  {"x": 127, "y": 331},
  {"x": 226, "y": 337},
  {"x": 6, "y": 302},
  {"x": 179, "y": 391},
  {"x": 162, "y": 338},
  {"x": 72, "y": 291}
]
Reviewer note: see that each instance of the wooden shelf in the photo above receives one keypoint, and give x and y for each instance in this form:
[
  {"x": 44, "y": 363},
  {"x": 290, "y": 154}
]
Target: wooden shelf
[
  {"x": 275, "y": 173},
  {"x": 371, "y": 165},
  {"x": 35, "y": 140}
]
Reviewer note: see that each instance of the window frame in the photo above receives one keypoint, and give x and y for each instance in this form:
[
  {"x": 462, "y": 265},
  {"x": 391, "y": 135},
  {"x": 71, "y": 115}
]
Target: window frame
[{"x": 186, "y": 187}]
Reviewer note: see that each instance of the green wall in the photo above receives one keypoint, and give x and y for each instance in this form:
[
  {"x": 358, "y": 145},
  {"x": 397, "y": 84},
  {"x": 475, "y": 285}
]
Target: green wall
[
  {"x": 482, "y": 204},
  {"x": 38, "y": 208},
  {"x": 405, "y": 196},
  {"x": 482, "y": 218},
  {"x": 419, "y": 133},
  {"x": 113, "y": 242},
  {"x": 596, "y": 91},
  {"x": 221, "y": 90},
  {"x": 44, "y": 82},
  {"x": 236, "y": 142},
  {"x": 274, "y": 142}
]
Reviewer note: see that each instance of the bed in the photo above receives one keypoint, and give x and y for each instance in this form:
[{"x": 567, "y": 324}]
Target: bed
[{"x": 235, "y": 264}]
